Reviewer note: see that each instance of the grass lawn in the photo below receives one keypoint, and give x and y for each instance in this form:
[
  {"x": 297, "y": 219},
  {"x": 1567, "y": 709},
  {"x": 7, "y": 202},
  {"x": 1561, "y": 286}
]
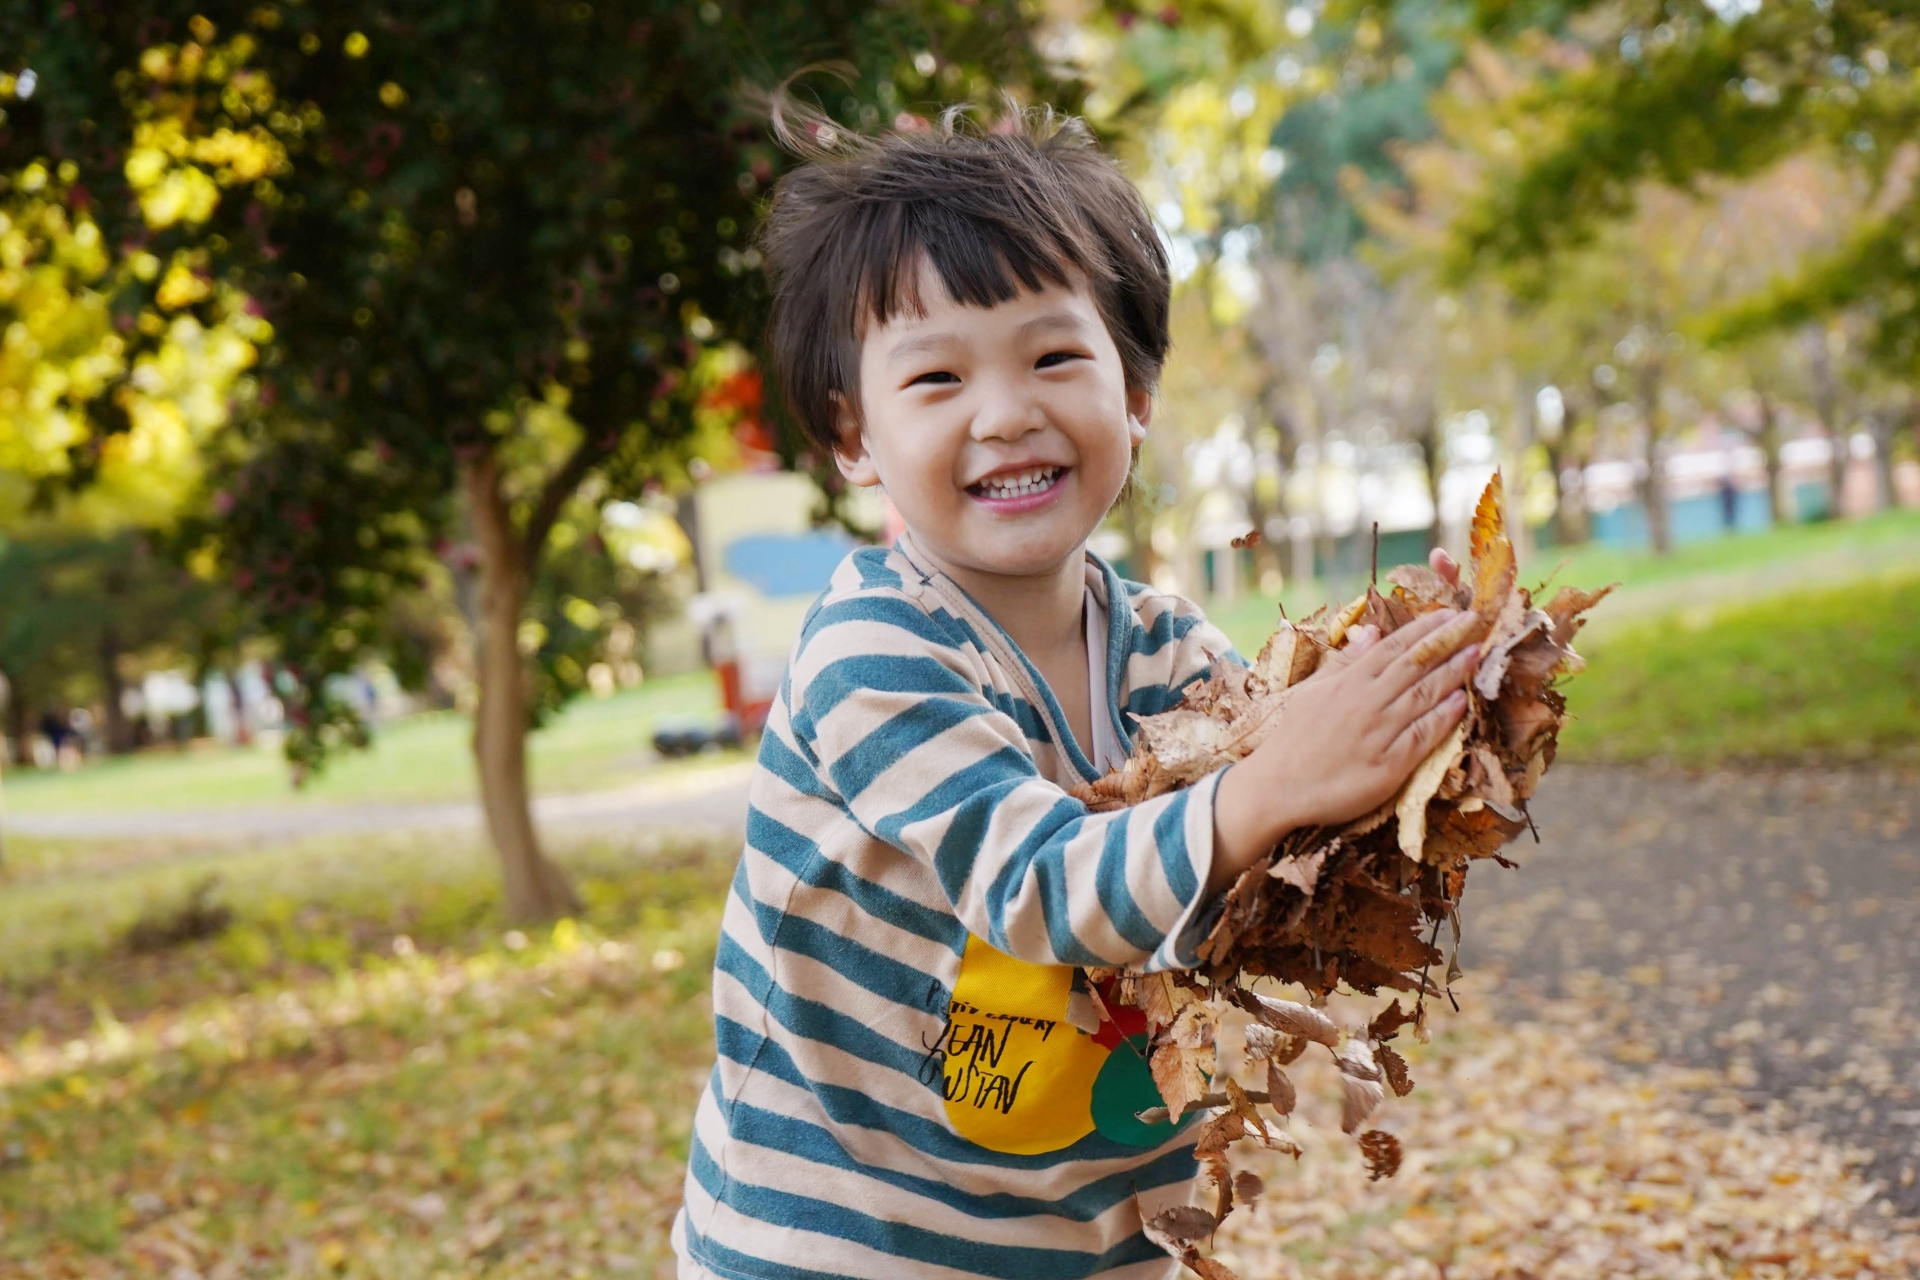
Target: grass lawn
[
  {"x": 1740, "y": 567},
  {"x": 594, "y": 743},
  {"x": 364, "y": 1075},
  {"x": 1829, "y": 675}
]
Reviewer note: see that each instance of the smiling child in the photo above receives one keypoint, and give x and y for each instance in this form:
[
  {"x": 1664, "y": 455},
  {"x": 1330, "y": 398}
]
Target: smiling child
[{"x": 913, "y": 1077}]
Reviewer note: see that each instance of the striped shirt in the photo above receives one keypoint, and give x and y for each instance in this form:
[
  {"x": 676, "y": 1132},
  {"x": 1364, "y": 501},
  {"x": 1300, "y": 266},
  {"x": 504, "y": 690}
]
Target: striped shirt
[{"x": 913, "y": 1078}]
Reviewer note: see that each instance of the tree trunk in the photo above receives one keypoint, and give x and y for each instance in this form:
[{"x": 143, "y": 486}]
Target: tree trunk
[
  {"x": 1653, "y": 486},
  {"x": 1832, "y": 410},
  {"x": 535, "y": 889},
  {"x": 17, "y": 751},
  {"x": 1426, "y": 434},
  {"x": 1768, "y": 439},
  {"x": 118, "y": 730},
  {"x": 1883, "y": 423},
  {"x": 1138, "y": 519}
]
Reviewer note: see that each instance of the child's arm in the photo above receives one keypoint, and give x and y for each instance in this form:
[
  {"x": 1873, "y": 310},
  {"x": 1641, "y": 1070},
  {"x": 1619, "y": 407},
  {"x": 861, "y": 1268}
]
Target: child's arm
[{"x": 892, "y": 713}]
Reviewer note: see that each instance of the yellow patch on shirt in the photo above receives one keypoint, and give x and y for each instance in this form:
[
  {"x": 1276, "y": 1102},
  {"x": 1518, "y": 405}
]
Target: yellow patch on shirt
[{"x": 1019, "y": 1077}]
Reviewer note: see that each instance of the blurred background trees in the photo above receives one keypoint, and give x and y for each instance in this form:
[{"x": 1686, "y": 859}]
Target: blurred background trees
[
  {"x": 360, "y": 348},
  {"x": 496, "y": 247}
]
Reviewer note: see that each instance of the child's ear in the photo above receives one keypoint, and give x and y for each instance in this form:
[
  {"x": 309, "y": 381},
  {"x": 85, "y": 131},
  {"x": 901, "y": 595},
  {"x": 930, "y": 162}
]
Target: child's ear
[
  {"x": 851, "y": 454},
  {"x": 1139, "y": 413}
]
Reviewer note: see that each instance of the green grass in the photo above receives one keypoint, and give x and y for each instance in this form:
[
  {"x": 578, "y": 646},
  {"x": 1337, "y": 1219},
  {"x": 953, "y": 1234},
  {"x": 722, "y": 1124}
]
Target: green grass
[
  {"x": 365, "y": 1075},
  {"x": 593, "y": 744},
  {"x": 1828, "y": 675},
  {"x": 1894, "y": 532},
  {"x": 1743, "y": 566}
]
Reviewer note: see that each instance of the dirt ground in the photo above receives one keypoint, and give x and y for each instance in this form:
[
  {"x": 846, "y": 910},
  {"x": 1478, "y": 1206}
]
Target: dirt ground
[{"x": 1763, "y": 925}]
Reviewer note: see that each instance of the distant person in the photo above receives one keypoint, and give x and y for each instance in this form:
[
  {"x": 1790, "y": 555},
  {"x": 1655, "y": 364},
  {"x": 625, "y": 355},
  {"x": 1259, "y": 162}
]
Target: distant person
[{"x": 977, "y": 322}]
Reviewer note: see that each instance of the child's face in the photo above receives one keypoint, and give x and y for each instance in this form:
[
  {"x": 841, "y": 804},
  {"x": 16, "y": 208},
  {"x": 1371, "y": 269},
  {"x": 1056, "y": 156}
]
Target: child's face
[{"x": 1001, "y": 434}]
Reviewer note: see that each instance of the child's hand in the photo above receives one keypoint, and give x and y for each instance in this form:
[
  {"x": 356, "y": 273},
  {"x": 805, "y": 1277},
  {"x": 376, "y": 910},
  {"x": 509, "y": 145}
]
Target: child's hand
[{"x": 1349, "y": 735}]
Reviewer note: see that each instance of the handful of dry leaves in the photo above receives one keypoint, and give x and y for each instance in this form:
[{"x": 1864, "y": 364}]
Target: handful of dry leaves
[{"x": 1359, "y": 906}]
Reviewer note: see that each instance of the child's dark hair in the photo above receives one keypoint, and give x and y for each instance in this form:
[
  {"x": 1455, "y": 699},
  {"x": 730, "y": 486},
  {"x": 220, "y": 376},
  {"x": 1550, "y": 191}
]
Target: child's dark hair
[{"x": 1030, "y": 201}]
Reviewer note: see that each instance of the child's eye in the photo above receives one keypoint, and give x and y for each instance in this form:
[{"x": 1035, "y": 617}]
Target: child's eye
[
  {"x": 1055, "y": 358},
  {"x": 937, "y": 378}
]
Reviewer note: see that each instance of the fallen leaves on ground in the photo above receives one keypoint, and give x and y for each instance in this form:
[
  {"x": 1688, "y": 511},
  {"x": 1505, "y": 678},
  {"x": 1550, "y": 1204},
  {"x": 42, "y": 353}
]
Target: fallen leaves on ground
[
  {"x": 517, "y": 1112},
  {"x": 1529, "y": 1154}
]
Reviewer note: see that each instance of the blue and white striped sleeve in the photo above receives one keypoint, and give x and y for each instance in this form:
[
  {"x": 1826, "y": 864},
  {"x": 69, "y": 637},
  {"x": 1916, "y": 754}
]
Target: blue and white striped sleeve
[{"x": 895, "y": 717}]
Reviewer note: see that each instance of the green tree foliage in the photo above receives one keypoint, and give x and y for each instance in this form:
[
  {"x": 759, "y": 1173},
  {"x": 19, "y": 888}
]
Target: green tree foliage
[
  {"x": 75, "y": 607},
  {"x": 494, "y": 239},
  {"x": 1677, "y": 91},
  {"x": 1385, "y": 67}
]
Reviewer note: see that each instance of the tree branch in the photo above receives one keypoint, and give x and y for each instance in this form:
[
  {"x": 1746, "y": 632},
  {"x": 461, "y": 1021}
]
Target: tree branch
[
  {"x": 611, "y": 388},
  {"x": 560, "y": 486}
]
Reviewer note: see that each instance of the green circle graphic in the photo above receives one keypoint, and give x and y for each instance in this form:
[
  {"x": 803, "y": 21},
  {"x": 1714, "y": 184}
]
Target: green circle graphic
[{"x": 1123, "y": 1088}]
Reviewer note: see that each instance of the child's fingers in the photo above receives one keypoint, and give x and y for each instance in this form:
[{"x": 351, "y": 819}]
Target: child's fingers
[
  {"x": 1444, "y": 565},
  {"x": 1444, "y": 641},
  {"x": 1427, "y": 731},
  {"x": 1359, "y": 641},
  {"x": 1406, "y": 638},
  {"x": 1436, "y": 684}
]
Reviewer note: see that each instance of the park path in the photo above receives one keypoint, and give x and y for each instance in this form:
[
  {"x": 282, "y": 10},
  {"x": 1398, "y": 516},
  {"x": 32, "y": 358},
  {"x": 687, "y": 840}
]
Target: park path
[
  {"x": 1759, "y": 925},
  {"x": 713, "y": 796}
]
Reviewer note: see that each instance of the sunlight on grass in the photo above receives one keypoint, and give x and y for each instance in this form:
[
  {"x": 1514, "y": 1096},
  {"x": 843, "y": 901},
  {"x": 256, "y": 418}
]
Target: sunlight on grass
[
  {"x": 1822, "y": 675},
  {"x": 367, "y": 1075}
]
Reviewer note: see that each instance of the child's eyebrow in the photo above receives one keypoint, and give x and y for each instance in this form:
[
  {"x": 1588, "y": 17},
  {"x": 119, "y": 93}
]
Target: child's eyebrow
[
  {"x": 1052, "y": 321},
  {"x": 933, "y": 343},
  {"x": 923, "y": 344}
]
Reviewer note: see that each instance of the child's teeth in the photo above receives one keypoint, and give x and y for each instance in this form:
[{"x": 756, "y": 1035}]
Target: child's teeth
[{"x": 1016, "y": 486}]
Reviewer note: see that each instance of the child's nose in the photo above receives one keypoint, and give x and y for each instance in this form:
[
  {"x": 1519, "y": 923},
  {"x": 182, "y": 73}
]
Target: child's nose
[{"x": 1006, "y": 413}]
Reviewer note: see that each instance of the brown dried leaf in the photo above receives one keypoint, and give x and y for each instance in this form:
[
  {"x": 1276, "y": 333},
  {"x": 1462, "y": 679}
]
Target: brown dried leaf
[
  {"x": 1410, "y": 806},
  {"x": 1422, "y": 587},
  {"x": 1565, "y": 609},
  {"x": 1296, "y": 1019},
  {"x": 1176, "y": 1074},
  {"x": 1247, "y": 1187},
  {"x": 1382, "y": 1152},
  {"x": 1160, "y": 997},
  {"x": 1387, "y": 1023},
  {"x": 1183, "y": 1058},
  {"x": 1241, "y": 1105},
  {"x": 1176, "y": 1229},
  {"x": 1287, "y": 658},
  {"x": 1493, "y": 563},
  {"x": 1361, "y": 1090},
  {"x": 1302, "y": 873},
  {"x": 1219, "y": 1133},
  {"x": 1517, "y": 625},
  {"x": 1281, "y": 1095},
  {"x": 1215, "y": 1182},
  {"x": 1394, "y": 1067}
]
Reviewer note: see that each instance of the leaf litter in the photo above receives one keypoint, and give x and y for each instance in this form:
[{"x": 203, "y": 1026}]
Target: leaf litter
[
  {"x": 1357, "y": 907},
  {"x": 1530, "y": 1155}
]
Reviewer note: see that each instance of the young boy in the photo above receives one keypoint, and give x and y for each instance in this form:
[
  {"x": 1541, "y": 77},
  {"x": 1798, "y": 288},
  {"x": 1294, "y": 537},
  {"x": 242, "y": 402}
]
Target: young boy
[{"x": 912, "y": 1080}]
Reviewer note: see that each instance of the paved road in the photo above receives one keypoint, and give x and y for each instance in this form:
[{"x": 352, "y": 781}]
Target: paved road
[
  {"x": 1766, "y": 925},
  {"x": 715, "y": 796}
]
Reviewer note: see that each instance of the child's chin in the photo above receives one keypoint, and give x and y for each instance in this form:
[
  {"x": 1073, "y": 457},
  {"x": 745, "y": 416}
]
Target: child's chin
[{"x": 1022, "y": 558}]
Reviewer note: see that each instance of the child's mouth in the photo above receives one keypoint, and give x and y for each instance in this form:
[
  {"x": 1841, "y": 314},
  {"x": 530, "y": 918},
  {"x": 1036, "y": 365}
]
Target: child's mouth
[{"x": 1018, "y": 491}]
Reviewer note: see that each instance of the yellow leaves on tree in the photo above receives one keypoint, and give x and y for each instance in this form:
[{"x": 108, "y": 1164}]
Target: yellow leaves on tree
[{"x": 1358, "y": 906}]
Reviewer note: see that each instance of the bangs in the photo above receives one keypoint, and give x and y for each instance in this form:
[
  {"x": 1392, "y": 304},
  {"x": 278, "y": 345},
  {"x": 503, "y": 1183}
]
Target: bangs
[{"x": 978, "y": 263}]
